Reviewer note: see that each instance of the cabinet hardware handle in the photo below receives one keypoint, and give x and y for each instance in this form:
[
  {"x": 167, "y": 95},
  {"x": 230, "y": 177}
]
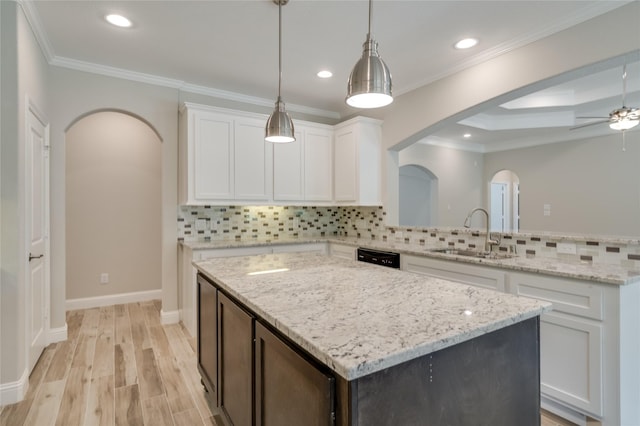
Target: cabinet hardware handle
[{"x": 31, "y": 257}]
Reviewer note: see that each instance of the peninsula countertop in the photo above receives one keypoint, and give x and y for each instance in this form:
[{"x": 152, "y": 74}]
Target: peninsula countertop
[
  {"x": 608, "y": 274},
  {"x": 359, "y": 318}
]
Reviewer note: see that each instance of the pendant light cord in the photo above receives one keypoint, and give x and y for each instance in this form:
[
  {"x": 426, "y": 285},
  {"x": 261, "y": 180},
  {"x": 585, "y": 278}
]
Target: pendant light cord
[
  {"x": 279, "y": 47},
  {"x": 370, "y": 14}
]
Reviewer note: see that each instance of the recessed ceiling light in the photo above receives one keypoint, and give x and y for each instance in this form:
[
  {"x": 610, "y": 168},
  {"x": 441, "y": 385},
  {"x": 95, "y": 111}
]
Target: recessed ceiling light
[
  {"x": 466, "y": 43},
  {"x": 325, "y": 74},
  {"x": 118, "y": 20},
  {"x": 466, "y": 135}
]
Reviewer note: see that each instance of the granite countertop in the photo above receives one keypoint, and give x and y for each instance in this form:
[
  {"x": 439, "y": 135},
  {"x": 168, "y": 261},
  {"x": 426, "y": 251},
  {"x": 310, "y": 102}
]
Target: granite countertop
[
  {"x": 359, "y": 318},
  {"x": 609, "y": 274}
]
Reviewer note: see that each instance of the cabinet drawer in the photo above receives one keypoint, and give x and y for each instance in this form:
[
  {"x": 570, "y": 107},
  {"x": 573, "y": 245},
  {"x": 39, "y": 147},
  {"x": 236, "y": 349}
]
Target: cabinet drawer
[
  {"x": 343, "y": 252},
  {"x": 568, "y": 296},
  {"x": 478, "y": 276}
]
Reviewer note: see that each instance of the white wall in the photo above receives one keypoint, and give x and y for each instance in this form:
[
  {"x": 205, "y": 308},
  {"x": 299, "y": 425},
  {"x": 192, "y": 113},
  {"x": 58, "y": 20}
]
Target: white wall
[
  {"x": 459, "y": 176},
  {"x": 24, "y": 73},
  {"x": 113, "y": 206},
  {"x": 77, "y": 94},
  {"x": 416, "y": 198},
  {"x": 593, "y": 186}
]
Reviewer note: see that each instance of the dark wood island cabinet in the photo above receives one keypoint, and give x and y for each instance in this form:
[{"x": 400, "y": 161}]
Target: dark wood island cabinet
[{"x": 265, "y": 377}]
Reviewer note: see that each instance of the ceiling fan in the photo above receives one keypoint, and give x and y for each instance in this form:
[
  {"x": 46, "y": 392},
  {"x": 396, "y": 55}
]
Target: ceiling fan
[{"x": 623, "y": 118}]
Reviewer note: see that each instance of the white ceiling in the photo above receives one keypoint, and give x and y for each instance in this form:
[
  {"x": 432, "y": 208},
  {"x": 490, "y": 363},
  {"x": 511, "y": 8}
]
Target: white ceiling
[{"x": 230, "y": 49}]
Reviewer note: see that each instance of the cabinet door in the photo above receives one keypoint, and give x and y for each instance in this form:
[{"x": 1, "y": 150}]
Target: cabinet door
[
  {"x": 571, "y": 361},
  {"x": 345, "y": 165},
  {"x": 252, "y": 156},
  {"x": 212, "y": 157},
  {"x": 287, "y": 170},
  {"x": 207, "y": 336},
  {"x": 289, "y": 389},
  {"x": 235, "y": 362},
  {"x": 318, "y": 170}
]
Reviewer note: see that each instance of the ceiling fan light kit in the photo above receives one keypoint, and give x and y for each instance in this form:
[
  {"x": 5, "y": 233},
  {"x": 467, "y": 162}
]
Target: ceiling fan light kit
[
  {"x": 369, "y": 84},
  {"x": 623, "y": 118},
  {"x": 279, "y": 127},
  {"x": 624, "y": 124}
]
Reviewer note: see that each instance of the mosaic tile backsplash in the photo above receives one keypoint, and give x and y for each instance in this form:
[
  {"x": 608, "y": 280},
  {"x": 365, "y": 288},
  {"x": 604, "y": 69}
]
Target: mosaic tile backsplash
[{"x": 268, "y": 223}]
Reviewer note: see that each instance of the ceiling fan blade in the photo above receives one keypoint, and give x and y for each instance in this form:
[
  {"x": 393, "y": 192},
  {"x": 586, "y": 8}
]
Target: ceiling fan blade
[{"x": 593, "y": 123}]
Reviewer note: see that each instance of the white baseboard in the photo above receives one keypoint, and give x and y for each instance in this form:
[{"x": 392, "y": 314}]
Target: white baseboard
[
  {"x": 113, "y": 299},
  {"x": 169, "y": 317},
  {"x": 58, "y": 334},
  {"x": 563, "y": 411},
  {"x": 13, "y": 392}
]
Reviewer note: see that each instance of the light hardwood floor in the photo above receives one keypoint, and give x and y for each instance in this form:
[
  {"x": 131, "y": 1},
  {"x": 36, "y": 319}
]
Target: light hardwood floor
[{"x": 120, "y": 366}]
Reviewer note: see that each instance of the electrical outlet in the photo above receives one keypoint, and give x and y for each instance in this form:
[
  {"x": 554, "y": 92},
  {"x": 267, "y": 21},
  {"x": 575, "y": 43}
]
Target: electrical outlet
[
  {"x": 201, "y": 224},
  {"x": 104, "y": 278},
  {"x": 296, "y": 222},
  {"x": 566, "y": 248}
]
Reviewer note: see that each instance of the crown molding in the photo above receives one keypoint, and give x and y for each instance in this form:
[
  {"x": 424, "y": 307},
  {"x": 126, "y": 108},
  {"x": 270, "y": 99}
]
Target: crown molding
[{"x": 40, "y": 34}]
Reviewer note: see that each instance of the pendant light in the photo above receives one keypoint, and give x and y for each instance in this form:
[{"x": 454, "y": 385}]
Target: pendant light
[
  {"x": 279, "y": 125},
  {"x": 369, "y": 84}
]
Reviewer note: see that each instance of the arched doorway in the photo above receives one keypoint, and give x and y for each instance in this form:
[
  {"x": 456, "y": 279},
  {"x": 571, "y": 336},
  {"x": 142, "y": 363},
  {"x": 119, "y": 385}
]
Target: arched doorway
[
  {"x": 418, "y": 196},
  {"x": 504, "y": 202},
  {"x": 113, "y": 166}
]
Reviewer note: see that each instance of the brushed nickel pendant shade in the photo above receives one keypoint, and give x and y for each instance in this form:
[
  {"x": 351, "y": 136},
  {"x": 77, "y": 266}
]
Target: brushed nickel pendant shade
[
  {"x": 279, "y": 127},
  {"x": 369, "y": 84}
]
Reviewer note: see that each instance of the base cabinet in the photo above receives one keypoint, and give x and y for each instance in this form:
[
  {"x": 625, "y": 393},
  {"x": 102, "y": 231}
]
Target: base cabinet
[
  {"x": 251, "y": 374},
  {"x": 235, "y": 362},
  {"x": 289, "y": 389},
  {"x": 208, "y": 336}
]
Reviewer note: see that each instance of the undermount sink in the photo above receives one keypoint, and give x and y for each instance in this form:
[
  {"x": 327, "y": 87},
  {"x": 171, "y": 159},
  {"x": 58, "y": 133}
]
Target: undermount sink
[{"x": 473, "y": 253}]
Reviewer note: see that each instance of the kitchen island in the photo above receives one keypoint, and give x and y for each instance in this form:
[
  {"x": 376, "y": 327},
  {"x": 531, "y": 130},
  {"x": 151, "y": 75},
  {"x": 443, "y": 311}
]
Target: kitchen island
[{"x": 362, "y": 344}]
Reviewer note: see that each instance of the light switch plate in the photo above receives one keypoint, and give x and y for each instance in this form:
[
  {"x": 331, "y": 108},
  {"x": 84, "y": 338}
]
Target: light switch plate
[{"x": 566, "y": 248}]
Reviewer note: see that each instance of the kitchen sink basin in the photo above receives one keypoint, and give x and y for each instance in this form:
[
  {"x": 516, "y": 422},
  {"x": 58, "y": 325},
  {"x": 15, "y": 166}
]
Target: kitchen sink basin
[{"x": 473, "y": 253}]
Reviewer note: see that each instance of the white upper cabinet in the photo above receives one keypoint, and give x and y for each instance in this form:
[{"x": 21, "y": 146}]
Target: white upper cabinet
[
  {"x": 318, "y": 166},
  {"x": 303, "y": 170},
  {"x": 252, "y": 160},
  {"x": 357, "y": 162},
  {"x": 288, "y": 172},
  {"x": 224, "y": 159}
]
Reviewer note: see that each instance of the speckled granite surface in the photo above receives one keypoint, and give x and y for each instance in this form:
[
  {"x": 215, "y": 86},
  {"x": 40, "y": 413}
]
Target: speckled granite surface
[
  {"x": 609, "y": 274},
  {"x": 359, "y": 318}
]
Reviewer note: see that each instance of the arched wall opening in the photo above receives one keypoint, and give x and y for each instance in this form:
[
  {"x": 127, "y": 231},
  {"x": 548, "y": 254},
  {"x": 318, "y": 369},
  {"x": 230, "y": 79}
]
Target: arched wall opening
[
  {"x": 113, "y": 175},
  {"x": 504, "y": 201},
  {"x": 418, "y": 195}
]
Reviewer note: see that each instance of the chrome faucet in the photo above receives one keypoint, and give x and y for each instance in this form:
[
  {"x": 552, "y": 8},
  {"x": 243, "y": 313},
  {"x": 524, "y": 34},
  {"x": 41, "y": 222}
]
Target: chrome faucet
[{"x": 488, "y": 242}]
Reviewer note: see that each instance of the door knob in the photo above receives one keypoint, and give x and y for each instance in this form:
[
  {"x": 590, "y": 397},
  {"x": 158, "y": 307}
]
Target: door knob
[{"x": 31, "y": 257}]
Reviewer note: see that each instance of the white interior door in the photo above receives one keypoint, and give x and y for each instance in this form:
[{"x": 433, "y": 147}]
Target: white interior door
[{"x": 37, "y": 206}]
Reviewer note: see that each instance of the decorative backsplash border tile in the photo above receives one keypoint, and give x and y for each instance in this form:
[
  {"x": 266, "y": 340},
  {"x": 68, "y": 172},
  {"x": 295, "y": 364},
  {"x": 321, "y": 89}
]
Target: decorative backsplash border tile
[{"x": 267, "y": 223}]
